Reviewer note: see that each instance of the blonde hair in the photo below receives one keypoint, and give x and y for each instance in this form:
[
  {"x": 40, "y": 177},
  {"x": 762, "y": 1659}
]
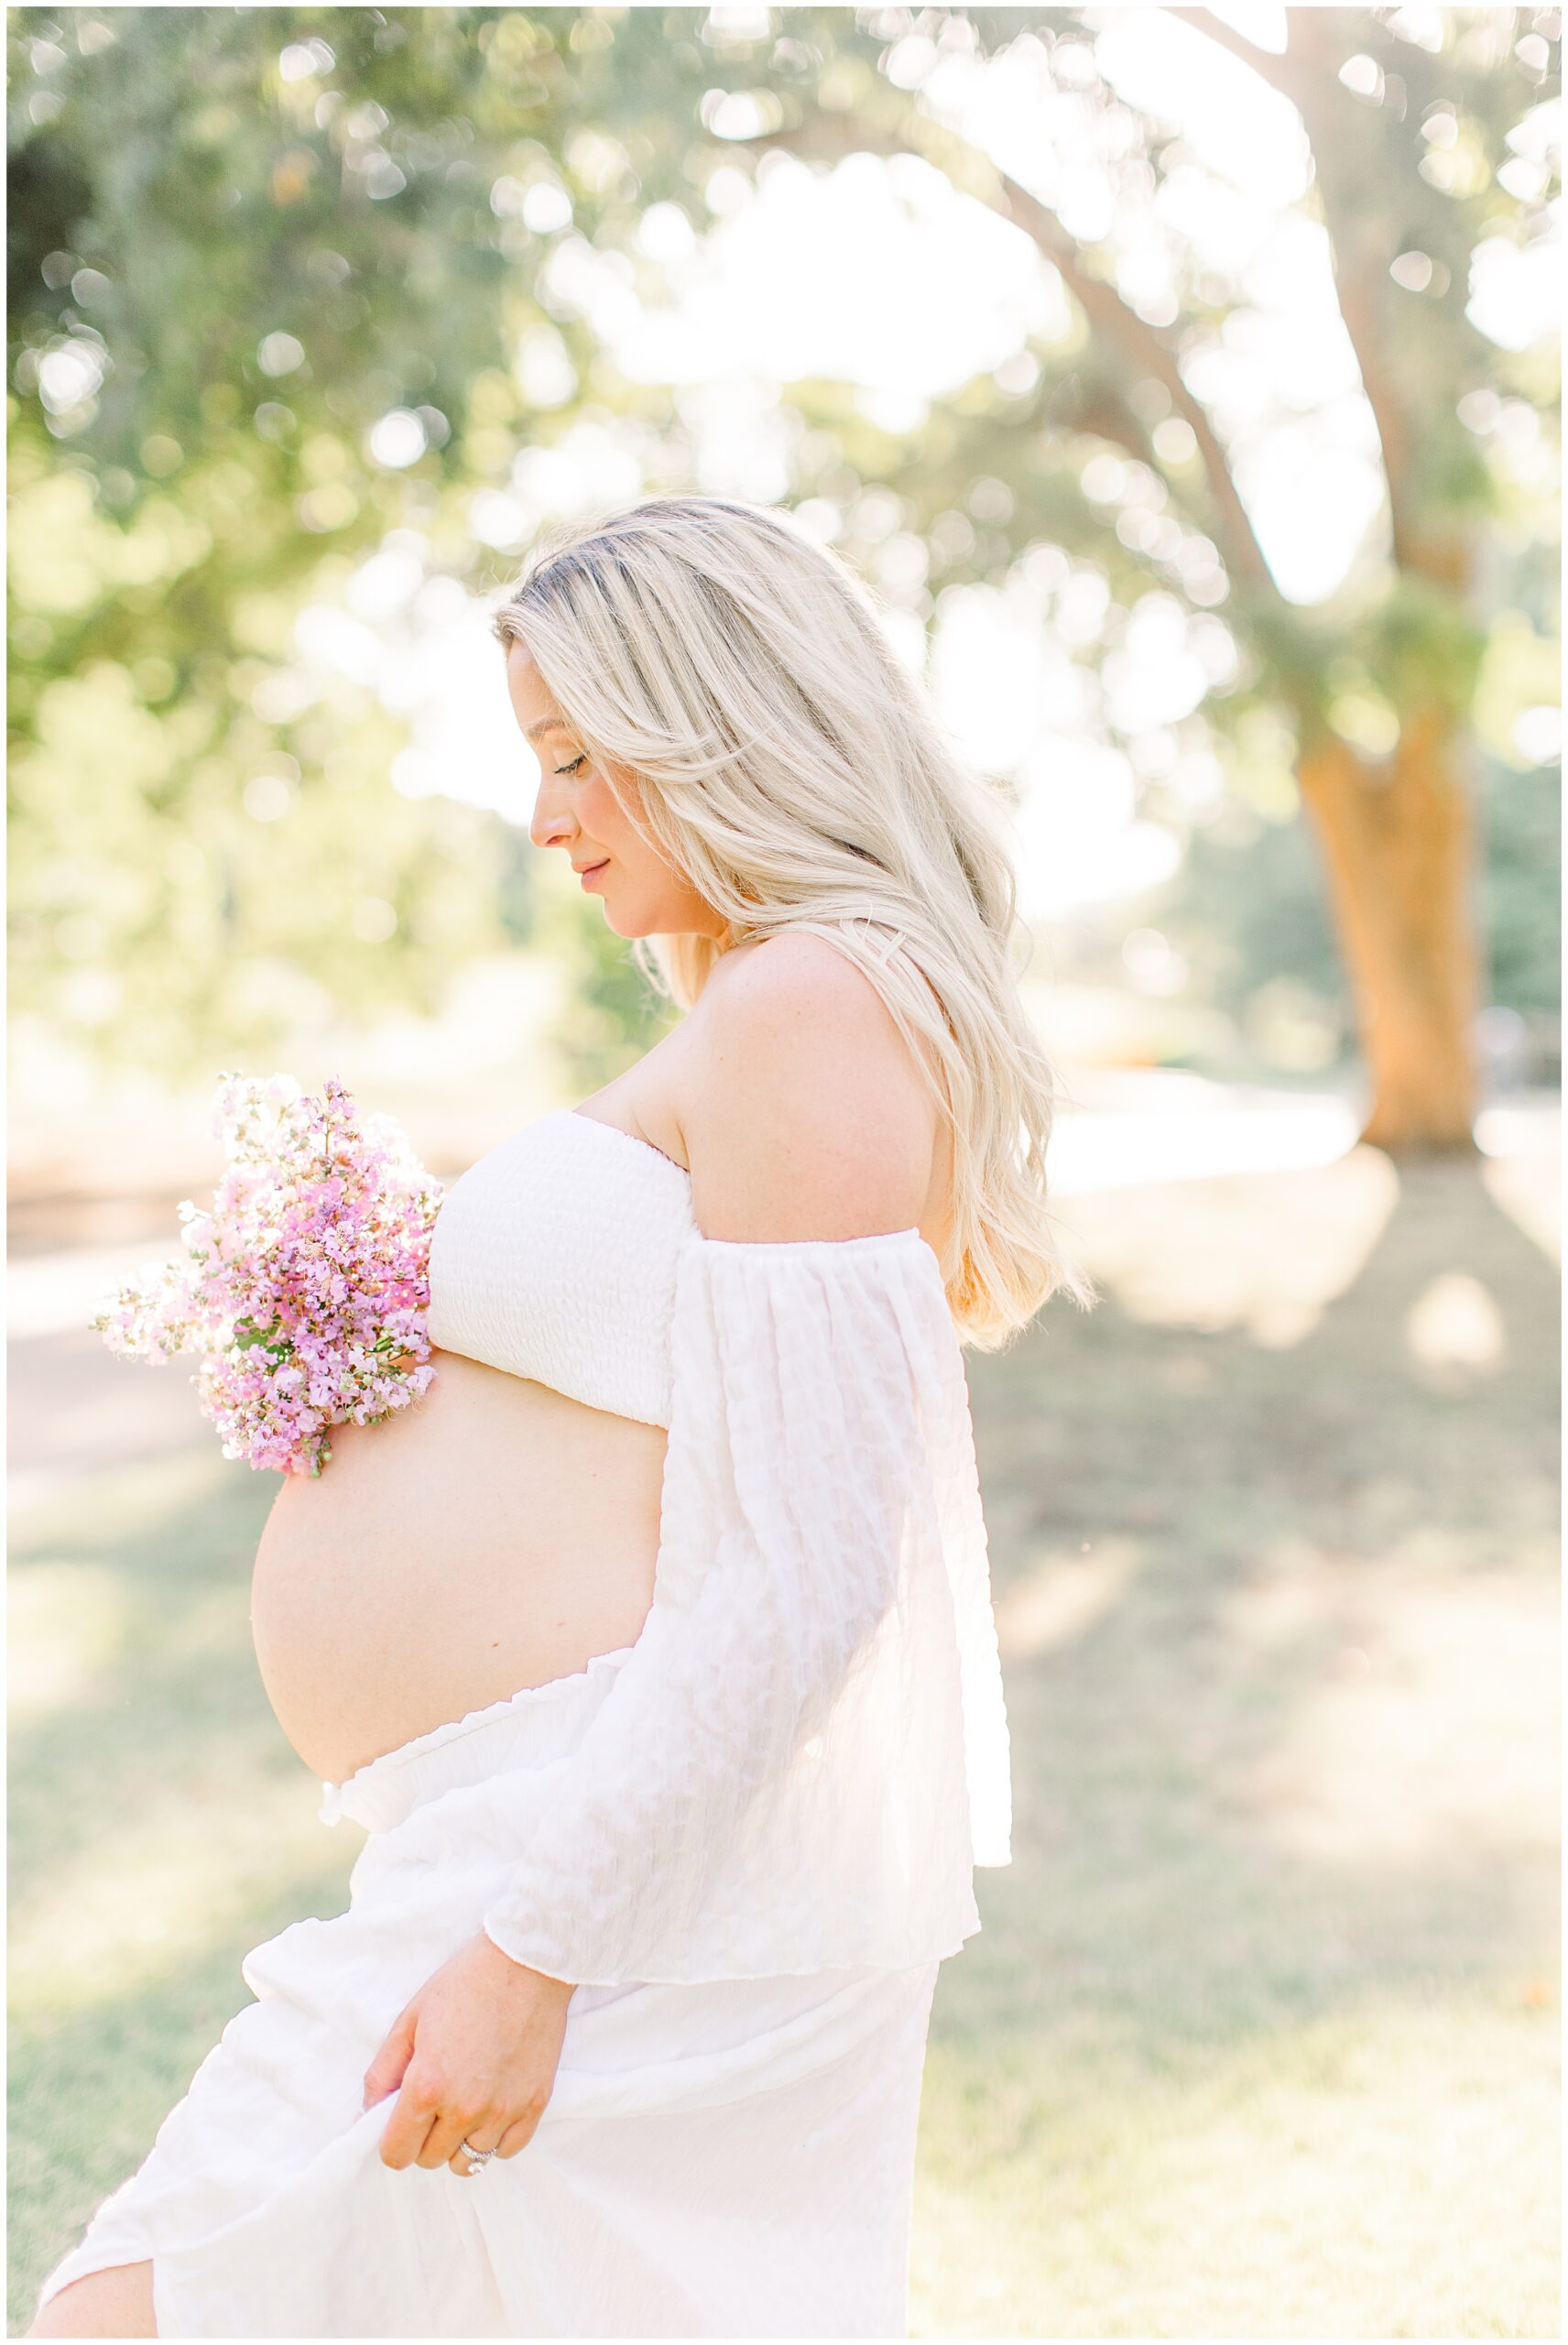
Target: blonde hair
[{"x": 796, "y": 775}]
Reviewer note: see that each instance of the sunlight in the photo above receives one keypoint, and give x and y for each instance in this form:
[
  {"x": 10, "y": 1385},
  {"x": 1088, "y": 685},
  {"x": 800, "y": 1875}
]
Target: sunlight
[
  {"x": 152, "y": 1897},
  {"x": 1057, "y": 1598},
  {"x": 66, "y": 1625},
  {"x": 1455, "y": 1324},
  {"x": 1172, "y": 1124},
  {"x": 1265, "y": 1252},
  {"x": 1425, "y": 1725},
  {"x": 878, "y": 273}
]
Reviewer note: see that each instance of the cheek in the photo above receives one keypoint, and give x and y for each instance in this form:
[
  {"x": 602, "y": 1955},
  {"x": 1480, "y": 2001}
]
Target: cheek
[
  {"x": 602, "y": 816},
  {"x": 597, "y": 808}
]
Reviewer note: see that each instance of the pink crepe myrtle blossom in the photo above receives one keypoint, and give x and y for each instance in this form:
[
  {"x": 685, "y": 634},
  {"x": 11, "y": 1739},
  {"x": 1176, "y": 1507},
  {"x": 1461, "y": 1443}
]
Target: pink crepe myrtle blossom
[{"x": 303, "y": 1286}]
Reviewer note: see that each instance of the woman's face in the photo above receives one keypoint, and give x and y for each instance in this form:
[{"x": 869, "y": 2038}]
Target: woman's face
[{"x": 577, "y": 811}]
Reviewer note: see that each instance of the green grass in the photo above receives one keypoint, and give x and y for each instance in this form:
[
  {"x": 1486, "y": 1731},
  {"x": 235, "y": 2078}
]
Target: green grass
[
  {"x": 1260, "y": 2035},
  {"x": 159, "y": 1824}
]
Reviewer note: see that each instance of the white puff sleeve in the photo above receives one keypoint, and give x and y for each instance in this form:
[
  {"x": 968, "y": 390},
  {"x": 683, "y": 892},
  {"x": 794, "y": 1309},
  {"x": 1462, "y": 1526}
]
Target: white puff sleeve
[{"x": 805, "y": 1753}]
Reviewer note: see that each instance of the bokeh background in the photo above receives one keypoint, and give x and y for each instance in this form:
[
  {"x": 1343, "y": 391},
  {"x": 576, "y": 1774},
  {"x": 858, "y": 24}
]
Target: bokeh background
[{"x": 1185, "y": 384}]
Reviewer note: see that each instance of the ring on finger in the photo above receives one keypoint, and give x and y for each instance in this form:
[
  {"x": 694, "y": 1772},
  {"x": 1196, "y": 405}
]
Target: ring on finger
[{"x": 479, "y": 2158}]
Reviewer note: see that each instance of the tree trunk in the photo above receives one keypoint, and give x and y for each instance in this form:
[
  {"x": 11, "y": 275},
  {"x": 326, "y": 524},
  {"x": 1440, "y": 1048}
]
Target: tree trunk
[{"x": 1396, "y": 841}]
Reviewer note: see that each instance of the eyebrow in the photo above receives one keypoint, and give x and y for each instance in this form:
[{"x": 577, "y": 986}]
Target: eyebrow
[{"x": 546, "y": 725}]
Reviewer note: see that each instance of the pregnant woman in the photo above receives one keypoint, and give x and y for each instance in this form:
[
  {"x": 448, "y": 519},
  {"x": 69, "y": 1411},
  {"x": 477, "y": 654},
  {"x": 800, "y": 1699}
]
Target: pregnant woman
[{"x": 653, "y": 1647}]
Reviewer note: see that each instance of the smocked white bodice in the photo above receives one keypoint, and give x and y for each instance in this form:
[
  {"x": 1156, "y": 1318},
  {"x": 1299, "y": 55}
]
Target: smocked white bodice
[{"x": 554, "y": 1256}]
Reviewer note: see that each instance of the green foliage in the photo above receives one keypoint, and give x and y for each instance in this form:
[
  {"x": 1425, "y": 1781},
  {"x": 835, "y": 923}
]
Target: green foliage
[
  {"x": 1248, "y": 910},
  {"x": 1521, "y": 912},
  {"x": 246, "y": 239}
]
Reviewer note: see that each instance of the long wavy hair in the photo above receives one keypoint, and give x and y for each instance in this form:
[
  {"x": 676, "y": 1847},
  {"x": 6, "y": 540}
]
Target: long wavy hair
[{"x": 794, "y": 772}]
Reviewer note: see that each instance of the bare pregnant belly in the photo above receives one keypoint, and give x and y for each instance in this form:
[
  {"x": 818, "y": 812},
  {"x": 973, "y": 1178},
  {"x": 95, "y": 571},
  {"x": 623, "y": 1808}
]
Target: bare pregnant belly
[{"x": 493, "y": 1535}]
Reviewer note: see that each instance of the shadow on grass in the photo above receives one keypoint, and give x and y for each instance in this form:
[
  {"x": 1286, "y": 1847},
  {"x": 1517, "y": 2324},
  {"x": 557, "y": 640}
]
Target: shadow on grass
[{"x": 1277, "y": 1623}]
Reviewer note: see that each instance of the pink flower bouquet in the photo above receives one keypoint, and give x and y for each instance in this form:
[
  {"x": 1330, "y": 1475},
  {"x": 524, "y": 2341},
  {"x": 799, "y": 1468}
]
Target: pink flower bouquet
[{"x": 305, "y": 1285}]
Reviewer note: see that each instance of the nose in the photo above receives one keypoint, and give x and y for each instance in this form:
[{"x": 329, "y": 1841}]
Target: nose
[{"x": 552, "y": 823}]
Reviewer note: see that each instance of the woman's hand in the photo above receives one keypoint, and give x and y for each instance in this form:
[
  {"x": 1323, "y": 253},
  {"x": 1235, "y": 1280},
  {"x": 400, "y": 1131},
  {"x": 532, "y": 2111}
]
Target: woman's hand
[{"x": 476, "y": 2053}]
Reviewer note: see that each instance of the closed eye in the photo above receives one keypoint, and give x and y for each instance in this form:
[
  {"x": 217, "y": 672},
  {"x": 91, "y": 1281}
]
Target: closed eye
[{"x": 580, "y": 760}]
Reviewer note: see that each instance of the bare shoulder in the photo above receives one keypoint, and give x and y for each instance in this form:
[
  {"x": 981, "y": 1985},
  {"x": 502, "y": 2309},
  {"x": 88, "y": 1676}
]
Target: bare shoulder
[{"x": 804, "y": 1114}]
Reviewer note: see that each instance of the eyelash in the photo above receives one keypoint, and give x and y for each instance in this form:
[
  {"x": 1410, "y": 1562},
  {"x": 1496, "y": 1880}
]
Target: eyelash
[{"x": 575, "y": 763}]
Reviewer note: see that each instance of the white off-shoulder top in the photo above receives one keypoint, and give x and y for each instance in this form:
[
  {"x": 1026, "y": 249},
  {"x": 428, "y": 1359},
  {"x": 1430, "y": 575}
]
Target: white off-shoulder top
[
  {"x": 805, "y": 1754},
  {"x": 554, "y": 1257}
]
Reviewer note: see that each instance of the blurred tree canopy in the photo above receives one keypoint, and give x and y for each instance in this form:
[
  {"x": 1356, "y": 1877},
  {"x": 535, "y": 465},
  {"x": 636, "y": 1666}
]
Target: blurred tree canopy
[{"x": 293, "y": 286}]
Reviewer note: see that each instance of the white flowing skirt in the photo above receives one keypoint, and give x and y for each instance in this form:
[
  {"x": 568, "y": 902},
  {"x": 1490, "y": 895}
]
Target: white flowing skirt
[{"x": 733, "y": 2158}]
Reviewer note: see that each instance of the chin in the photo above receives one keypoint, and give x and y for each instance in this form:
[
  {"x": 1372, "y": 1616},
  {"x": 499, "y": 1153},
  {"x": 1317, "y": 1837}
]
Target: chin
[
  {"x": 630, "y": 925},
  {"x": 655, "y": 919}
]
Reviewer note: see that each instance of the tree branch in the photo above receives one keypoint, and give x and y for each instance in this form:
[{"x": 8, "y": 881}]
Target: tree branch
[
  {"x": 1312, "y": 87},
  {"x": 1269, "y": 64},
  {"x": 830, "y": 137},
  {"x": 1104, "y": 306}
]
